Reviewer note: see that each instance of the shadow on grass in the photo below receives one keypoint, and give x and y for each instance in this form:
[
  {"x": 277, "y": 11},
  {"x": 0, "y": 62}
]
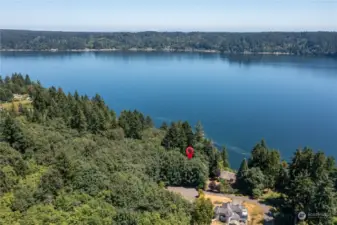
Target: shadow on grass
[{"x": 274, "y": 202}]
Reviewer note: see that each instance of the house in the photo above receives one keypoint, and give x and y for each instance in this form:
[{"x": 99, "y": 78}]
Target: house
[{"x": 230, "y": 213}]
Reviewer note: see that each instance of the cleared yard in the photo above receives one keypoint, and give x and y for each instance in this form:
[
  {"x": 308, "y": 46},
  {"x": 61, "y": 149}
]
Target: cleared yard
[{"x": 256, "y": 212}]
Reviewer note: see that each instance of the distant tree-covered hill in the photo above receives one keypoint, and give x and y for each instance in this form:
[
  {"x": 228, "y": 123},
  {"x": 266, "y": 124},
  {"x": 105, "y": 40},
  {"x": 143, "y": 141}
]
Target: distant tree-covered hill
[{"x": 298, "y": 43}]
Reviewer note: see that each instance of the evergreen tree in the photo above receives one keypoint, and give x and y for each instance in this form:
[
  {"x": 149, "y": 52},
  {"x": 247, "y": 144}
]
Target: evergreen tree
[
  {"x": 324, "y": 201},
  {"x": 309, "y": 191},
  {"x": 12, "y": 133},
  {"x": 27, "y": 80},
  {"x": 102, "y": 119},
  {"x": 199, "y": 132},
  {"x": 148, "y": 122},
  {"x": 282, "y": 180},
  {"x": 172, "y": 139},
  {"x": 64, "y": 165},
  {"x": 8, "y": 80},
  {"x": 272, "y": 167},
  {"x": 113, "y": 119},
  {"x": 241, "y": 176},
  {"x": 213, "y": 161},
  {"x": 131, "y": 122},
  {"x": 213, "y": 157},
  {"x": 254, "y": 181},
  {"x": 40, "y": 101},
  {"x": 78, "y": 120},
  {"x": 136, "y": 125},
  {"x": 164, "y": 126},
  {"x": 225, "y": 158},
  {"x": 76, "y": 96},
  {"x": 98, "y": 100},
  {"x": 188, "y": 133},
  {"x": 259, "y": 156}
]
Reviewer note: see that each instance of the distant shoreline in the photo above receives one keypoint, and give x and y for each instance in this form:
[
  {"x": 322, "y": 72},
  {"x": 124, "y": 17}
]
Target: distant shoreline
[{"x": 145, "y": 50}]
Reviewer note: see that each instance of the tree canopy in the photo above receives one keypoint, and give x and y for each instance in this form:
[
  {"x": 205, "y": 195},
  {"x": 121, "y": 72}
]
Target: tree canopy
[
  {"x": 69, "y": 159},
  {"x": 298, "y": 43}
]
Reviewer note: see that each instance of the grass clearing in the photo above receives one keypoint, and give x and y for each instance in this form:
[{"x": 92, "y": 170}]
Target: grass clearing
[
  {"x": 255, "y": 213},
  {"x": 217, "y": 200},
  {"x": 8, "y": 105},
  {"x": 270, "y": 195}
]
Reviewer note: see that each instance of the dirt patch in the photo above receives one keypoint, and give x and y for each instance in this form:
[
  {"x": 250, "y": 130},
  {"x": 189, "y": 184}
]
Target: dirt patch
[{"x": 255, "y": 213}]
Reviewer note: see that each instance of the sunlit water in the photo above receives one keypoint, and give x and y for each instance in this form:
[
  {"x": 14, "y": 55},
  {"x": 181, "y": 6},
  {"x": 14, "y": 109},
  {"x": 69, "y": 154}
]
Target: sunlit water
[{"x": 289, "y": 101}]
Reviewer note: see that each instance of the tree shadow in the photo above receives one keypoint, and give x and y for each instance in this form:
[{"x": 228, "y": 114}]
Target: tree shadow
[{"x": 274, "y": 202}]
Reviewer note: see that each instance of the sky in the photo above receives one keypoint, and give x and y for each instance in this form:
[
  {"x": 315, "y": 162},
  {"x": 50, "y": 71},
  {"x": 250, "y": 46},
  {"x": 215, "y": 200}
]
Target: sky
[{"x": 169, "y": 15}]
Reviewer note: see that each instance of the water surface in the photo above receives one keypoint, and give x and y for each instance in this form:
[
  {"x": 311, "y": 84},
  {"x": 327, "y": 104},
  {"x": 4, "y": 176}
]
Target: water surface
[{"x": 290, "y": 101}]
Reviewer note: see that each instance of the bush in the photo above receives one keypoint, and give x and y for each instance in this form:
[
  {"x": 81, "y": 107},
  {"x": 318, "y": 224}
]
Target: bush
[
  {"x": 203, "y": 211},
  {"x": 256, "y": 193},
  {"x": 115, "y": 134}
]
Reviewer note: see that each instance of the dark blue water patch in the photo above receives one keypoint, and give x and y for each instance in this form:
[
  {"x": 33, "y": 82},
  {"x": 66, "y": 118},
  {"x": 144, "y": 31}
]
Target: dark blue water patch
[{"x": 290, "y": 101}]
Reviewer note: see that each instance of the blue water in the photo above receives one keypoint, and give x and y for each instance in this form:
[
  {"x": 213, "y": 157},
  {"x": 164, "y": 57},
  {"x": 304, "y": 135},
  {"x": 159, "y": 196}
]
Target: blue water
[{"x": 290, "y": 101}]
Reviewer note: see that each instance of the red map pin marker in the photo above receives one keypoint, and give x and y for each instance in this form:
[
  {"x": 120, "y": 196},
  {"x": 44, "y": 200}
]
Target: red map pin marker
[{"x": 189, "y": 152}]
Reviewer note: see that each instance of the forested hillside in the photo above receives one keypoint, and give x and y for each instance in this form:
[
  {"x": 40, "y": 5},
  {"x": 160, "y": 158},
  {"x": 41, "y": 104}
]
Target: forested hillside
[
  {"x": 69, "y": 159},
  {"x": 298, "y": 43}
]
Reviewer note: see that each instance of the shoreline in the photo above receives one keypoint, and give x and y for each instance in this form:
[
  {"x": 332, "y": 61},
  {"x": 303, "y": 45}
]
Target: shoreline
[{"x": 146, "y": 50}]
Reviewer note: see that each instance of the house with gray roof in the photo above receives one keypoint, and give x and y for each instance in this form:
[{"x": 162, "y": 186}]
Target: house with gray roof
[{"x": 230, "y": 213}]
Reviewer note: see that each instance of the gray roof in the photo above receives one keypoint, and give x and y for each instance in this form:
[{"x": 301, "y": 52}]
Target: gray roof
[{"x": 230, "y": 211}]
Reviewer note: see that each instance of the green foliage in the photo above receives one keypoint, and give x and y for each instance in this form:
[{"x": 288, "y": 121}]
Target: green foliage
[
  {"x": 267, "y": 160},
  {"x": 133, "y": 123},
  {"x": 13, "y": 134},
  {"x": 8, "y": 179},
  {"x": 89, "y": 179},
  {"x": 310, "y": 189},
  {"x": 225, "y": 158},
  {"x": 255, "y": 180},
  {"x": 199, "y": 132},
  {"x": 225, "y": 187},
  {"x": 299, "y": 43},
  {"x": 175, "y": 137},
  {"x": 176, "y": 169},
  {"x": 164, "y": 126},
  {"x": 67, "y": 161},
  {"x": 203, "y": 211},
  {"x": 241, "y": 176}
]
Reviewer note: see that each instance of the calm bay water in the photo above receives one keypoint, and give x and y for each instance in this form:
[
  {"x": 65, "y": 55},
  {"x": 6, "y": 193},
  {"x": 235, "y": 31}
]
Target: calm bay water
[{"x": 289, "y": 101}]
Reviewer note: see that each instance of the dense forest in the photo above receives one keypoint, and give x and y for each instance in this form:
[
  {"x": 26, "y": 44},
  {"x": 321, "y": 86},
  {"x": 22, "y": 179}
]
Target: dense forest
[
  {"x": 69, "y": 159},
  {"x": 298, "y": 43}
]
